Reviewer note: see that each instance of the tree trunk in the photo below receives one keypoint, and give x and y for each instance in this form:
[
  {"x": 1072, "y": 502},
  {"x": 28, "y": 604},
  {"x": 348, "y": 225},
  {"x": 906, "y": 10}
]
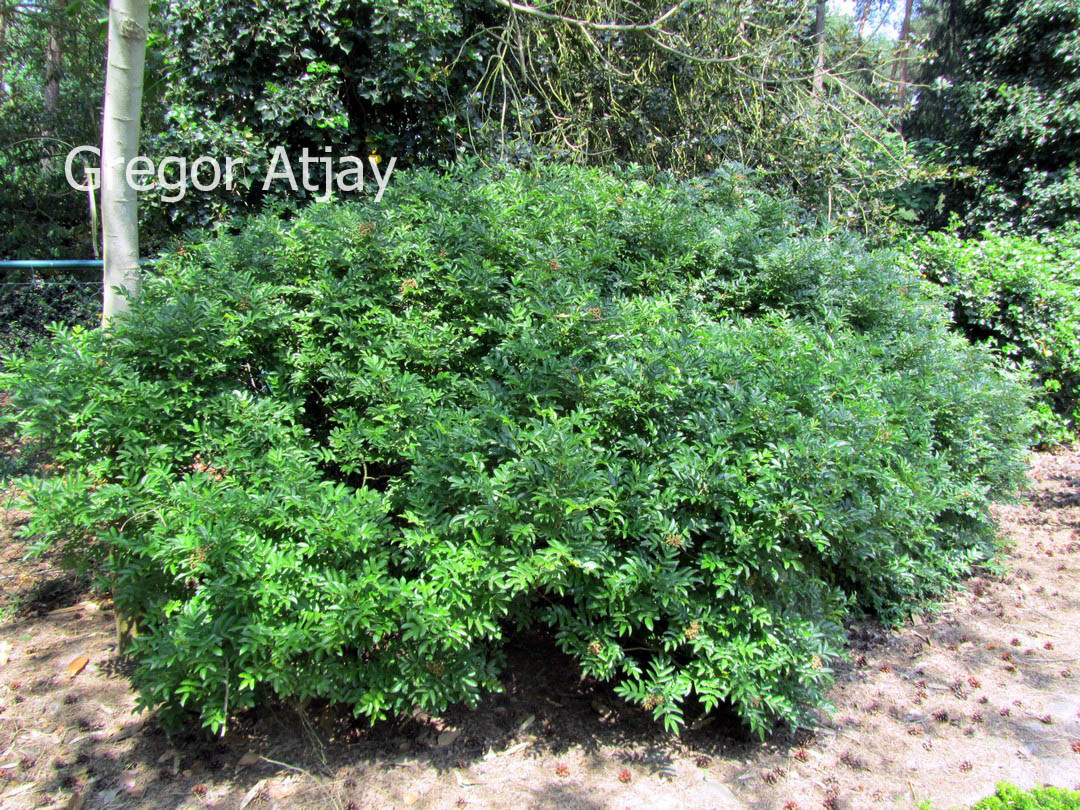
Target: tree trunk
[
  {"x": 128, "y": 20},
  {"x": 54, "y": 62},
  {"x": 862, "y": 12},
  {"x": 53, "y": 66},
  {"x": 902, "y": 53},
  {"x": 819, "y": 41}
]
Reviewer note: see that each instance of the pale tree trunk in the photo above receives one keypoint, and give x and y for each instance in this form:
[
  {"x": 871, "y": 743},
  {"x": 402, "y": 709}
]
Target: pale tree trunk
[
  {"x": 53, "y": 66},
  {"x": 819, "y": 41},
  {"x": 901, "y": 64},
  {"x": 128, "y": 20}
]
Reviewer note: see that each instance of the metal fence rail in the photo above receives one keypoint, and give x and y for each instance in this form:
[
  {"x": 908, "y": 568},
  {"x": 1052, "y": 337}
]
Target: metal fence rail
[
  {"x": 55, "y": 264},
  {"x": 52, "y": 264}
]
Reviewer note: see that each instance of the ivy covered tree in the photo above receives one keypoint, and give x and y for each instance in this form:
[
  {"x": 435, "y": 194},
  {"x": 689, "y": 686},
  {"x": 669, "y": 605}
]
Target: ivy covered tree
[
  {"x": 357, "y": 76},
  {"x": 1000, "y": 111}
]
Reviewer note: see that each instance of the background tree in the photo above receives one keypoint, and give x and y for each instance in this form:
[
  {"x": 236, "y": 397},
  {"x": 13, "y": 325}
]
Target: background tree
[
  {"x": 357, "y": 76},
  {"x": 903, "y": 57},
  {"x": 54, "y": 65},
  {"x": 52, "y": 60},
  {"x": 819, "y": 44}
]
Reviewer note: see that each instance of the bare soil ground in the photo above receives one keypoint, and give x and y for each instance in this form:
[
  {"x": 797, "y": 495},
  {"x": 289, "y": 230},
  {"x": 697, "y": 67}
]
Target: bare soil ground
[{"x": 985, "y": 689}]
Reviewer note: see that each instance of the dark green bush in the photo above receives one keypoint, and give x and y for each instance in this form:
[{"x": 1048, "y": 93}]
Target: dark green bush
[
  {"x": 996, "y": 114},
  {"x": 28, "y": 306},
  {"x": 345, "y": 456},
  {"x": 1022, "y": 296}
]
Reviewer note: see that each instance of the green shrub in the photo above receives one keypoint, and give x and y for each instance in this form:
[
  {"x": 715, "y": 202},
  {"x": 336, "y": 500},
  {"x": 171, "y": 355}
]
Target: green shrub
[
  {"x": 1022, "y": 295},
  {"x": 345, "y": 456},
  {"x": 1010, "y": 797}
]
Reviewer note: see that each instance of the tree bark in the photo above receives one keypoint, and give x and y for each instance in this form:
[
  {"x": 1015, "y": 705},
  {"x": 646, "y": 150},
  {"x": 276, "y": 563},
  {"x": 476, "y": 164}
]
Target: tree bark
[
  {"x": 902, "y": 53},
  {"x": 862, "y": 12},
  {"x": 54, "y": 63},
  {"x": 128, "y": 20},
  {"x": 819, "y": 41}
]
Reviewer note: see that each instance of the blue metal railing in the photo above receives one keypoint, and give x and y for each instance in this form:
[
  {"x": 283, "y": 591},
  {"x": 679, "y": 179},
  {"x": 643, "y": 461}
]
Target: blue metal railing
[
  {"x": 49, "y": 264},
  {"x": 55, "y": 264}
]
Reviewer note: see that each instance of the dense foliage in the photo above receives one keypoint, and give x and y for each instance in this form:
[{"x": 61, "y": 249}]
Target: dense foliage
[
  {"x": 1022, "y": 295},
  {"x": 611, "y": 82},
  {"x": 1001, "y": 114},
  {"x": 345, "y": 456}
]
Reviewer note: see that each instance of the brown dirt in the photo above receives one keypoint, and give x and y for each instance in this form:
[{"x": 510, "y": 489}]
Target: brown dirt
[{"x": 942, "y": 709}]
